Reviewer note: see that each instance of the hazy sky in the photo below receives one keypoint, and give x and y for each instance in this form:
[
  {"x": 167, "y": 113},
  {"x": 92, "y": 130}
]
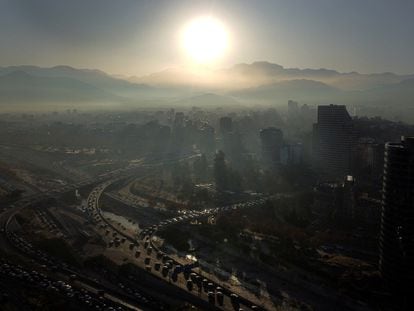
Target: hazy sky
[{"x": 135, "y": 37}]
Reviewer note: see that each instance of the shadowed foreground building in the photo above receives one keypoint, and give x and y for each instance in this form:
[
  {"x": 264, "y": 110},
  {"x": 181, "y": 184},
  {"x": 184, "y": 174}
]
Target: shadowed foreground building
[
  {"x": 271, "y": 141},
  {"x": 396, "y": 240},
  {"x": 225, "y": 125},
  {"x": 333, "y": 141}
]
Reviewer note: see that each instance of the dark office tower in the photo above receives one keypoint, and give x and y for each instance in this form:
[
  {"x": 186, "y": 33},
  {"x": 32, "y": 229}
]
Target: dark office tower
[
  {"x": 206, "y": 139},
  {"x": 335, "y": 141},
  {"x": 179, "y": 120},
  {"x": 346, "y": 206},
  {"x": 396, "y": 240},
  {"x": 368, "y": 161},
  {"x": 272, "y": 141},
  {"x": 226, "y": 125},
  {"x": 315, "y": 145},
  {"x": 293, "y": 109}
]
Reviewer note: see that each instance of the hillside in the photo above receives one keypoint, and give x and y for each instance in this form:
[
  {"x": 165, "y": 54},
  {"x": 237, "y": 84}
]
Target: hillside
[{"x": 21, "y": 87}]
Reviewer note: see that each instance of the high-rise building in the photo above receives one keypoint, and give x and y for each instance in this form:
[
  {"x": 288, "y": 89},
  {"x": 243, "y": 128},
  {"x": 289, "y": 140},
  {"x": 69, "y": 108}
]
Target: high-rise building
[
  {"x": 206, "y": 139},
  {"x": 396, "y": 241},
  {"x": 346, "y": 208},
  {"x": 226, "y": 125},
  {"x": 272, "y": 141},
  {"x": 337, "y": 199},
  {"x": 179, "y": 119},
  {"x": 368, "y": 161},
  {"x": 293, "y": 109},
  {"x": 291, "y": 154},
  {"x": 335, "y": 141}
]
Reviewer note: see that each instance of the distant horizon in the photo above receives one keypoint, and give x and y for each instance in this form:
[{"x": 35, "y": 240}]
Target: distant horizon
[{"x": 138, "y": 75}]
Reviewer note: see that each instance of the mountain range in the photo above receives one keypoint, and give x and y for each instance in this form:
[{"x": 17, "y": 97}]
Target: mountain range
[
  {"x": 264, "y": 73},
  {"x": 19, "y": 86},
  {"x": 267, "y": 73},
  {"x": 258, "y": 82}
]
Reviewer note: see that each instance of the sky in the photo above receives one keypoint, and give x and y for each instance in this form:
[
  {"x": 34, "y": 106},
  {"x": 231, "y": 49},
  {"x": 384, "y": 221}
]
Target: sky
[{"x": 137, "y": 37}]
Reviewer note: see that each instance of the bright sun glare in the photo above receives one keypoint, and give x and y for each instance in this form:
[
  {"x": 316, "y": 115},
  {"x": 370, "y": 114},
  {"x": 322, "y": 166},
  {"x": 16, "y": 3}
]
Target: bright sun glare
[{"x": 205, "y": 39}]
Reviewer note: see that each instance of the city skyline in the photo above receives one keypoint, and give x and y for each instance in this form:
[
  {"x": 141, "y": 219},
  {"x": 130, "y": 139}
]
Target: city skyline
[{"x": 206, "y": 155}]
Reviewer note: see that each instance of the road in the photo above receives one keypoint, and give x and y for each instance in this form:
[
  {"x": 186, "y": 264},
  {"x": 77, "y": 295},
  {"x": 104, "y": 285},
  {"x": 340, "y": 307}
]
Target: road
[
  {"x": 11, "y": 242},
  {"x": 144, "y": 253},
  {"x": 122, "y": 297}
]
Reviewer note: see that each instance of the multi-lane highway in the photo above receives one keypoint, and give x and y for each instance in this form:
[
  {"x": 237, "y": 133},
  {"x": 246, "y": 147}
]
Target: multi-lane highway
[
  {"x": 80, "y": 294},
  {"x": 119, "y": 295},
  {"x": 142, "y": 251},
  {"x": 12, "y": 242},
  {"x": 145, "y": 254}
]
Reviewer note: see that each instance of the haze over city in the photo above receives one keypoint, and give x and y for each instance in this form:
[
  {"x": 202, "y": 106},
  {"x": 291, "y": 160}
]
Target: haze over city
[{"x": 206, "y": 155}]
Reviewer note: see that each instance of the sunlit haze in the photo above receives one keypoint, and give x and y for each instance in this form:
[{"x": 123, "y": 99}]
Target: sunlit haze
[
  {"x": 132, "y": 37},
  {"x": 205, "y": 39}
]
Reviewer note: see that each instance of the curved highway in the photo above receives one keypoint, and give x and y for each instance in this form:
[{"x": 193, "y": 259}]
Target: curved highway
[
  {"x": 149, "y": 257},
  {"x": 145, "y": 252},
  {"x": 110, "y": 299}
]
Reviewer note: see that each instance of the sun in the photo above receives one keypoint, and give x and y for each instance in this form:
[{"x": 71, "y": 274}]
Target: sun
[{"x": 205, "y": 39}]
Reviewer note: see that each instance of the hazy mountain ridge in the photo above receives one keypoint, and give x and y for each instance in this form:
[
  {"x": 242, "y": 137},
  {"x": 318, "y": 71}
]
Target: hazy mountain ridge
[
  {"x": 269, "y": 73},
  {"x": 21, "y": 87},
  {"x": 259, "y": 82},
  {"x": 94, "y": 77},
  {"x": 398, "y": 93},
  {"x": 275, "y": 70},
  {"x": 241, "y": 76},
  {"x": 299, "y": 89}
]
